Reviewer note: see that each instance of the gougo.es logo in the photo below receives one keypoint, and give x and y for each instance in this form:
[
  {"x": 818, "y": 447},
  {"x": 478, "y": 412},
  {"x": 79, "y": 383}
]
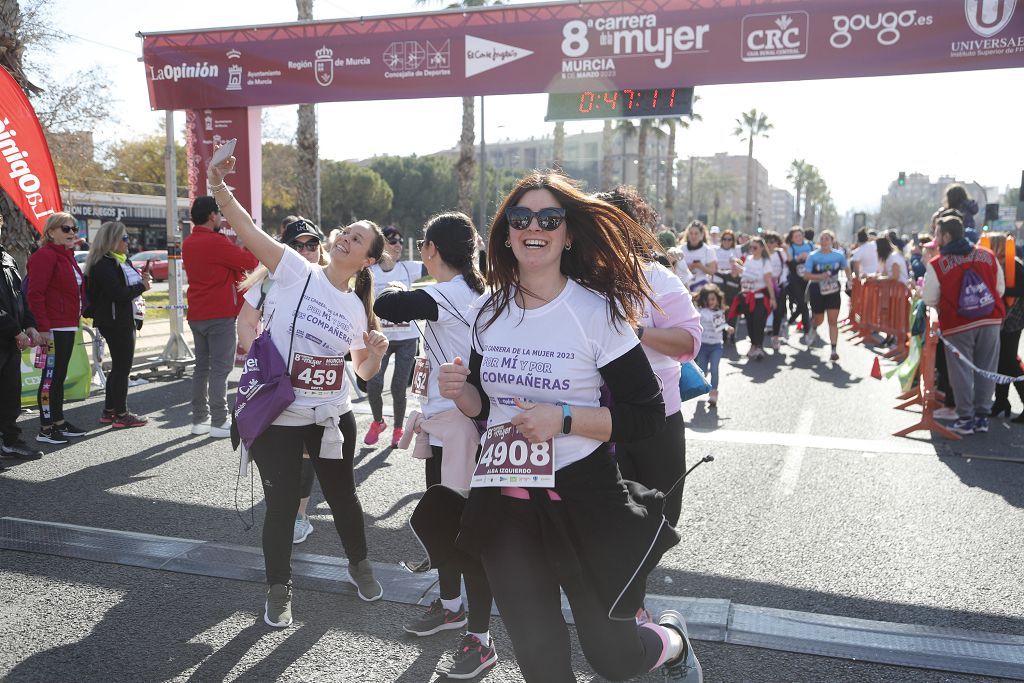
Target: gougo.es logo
[{"x": 887, "y": 26}]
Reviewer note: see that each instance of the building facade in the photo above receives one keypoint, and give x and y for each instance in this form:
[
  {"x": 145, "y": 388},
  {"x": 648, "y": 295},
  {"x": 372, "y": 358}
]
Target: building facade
[{"x": 145, "y": 216}]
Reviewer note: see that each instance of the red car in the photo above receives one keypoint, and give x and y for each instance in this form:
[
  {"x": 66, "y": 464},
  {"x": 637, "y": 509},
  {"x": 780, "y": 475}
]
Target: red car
[{"x": 157, "y": 261}]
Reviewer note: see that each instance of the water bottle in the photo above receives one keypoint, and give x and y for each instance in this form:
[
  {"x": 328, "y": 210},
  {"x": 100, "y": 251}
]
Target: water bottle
[{"x": 40, "y": 360}]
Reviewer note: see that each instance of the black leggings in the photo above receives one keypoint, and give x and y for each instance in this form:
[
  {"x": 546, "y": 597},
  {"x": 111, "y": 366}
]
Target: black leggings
[
  {"x": 51, "y": 387},
  {"x": 278, "y": 454},
  {"x": 1009, "y": 342},
  {"x": 780, "y": 311},
  {"x": 121, "y": 343},
  {"x": 657, "y": 462},
  {"x": 798, "y": 295},
  {"x": 526, "y": 589},
  {"x": 756, "y": 317},
  {"x": 451, "y": 574}
]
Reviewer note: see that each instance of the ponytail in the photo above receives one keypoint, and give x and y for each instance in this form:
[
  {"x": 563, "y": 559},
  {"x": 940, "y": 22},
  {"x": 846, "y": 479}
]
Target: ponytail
[
  {"x": 472, "y": 275},
  {"x": 364, "y": 290},
  {"x": 455, "y": 237}
]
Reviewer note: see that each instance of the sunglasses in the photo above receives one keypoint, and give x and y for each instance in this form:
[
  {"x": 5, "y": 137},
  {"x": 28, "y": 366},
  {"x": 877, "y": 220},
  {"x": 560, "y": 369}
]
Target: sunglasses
[
  {"x": 308, "y": 245},
  {"x": 124, "y": 238},
  {"x": 394, "y": 240},
  {"x": 68, "y": 229},
  {"x": 520, "y": 217},
  {"x": 727, "y": 239}
]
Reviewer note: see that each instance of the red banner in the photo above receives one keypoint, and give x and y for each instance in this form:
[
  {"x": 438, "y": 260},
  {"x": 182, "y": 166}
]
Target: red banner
[
  {"x": 26, "y": 173},
  {"x": 207, "y": 128},
  {"x": 569, "y": 47}
]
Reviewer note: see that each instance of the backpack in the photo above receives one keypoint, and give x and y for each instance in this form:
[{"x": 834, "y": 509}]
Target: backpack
[{"x": 976, "y": 299}]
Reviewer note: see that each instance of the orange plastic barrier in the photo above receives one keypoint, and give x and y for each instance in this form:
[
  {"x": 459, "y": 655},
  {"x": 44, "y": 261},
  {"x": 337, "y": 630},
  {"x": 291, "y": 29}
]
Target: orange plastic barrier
[
  {"x": 928, "y": 396},
  {"x": 881, "y": 306}
]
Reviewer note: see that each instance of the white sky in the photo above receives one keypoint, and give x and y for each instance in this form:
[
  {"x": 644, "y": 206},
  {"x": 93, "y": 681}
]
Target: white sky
[{"x": 859, "y": 132}]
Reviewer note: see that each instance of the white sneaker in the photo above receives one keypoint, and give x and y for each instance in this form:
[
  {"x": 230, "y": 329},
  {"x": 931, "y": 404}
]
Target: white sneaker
[
  {"x": 221, "y": 432},
  {"x": 303, "y": 528},
  {"x": 945, "y": 413},
  {"x": 200, "y": 428}
]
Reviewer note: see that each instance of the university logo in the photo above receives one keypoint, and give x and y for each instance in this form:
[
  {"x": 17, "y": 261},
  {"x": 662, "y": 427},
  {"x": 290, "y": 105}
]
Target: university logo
[{"x": 988, "y": 17}]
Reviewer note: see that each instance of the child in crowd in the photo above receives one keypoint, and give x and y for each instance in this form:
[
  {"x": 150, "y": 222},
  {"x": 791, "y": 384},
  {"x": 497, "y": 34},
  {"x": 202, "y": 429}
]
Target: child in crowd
[{"x": 709, "y": 301}]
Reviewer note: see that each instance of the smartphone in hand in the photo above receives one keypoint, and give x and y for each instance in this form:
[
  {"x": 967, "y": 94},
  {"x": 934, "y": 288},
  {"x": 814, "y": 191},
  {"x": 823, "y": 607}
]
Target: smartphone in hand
[{"x": 224, "y": 152}]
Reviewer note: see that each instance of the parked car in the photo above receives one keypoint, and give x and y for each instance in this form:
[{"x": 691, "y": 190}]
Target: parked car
[
  {"x": 157, "y": 260},
  {"x": 80, "y": 256}
]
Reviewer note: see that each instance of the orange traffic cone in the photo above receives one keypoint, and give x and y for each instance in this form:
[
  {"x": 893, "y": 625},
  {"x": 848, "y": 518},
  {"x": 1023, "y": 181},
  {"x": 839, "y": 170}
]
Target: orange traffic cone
[{"x": 876, "y": 369}]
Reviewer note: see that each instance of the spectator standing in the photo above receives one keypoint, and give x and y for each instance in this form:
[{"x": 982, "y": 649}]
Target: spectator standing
[
  {"x": 891, "y": 263},
  {"x": 115, "y": 289},
  {"x": 214, "y": 267},
  {"x": 55, "y": 286},
  {"x": 1009, "y": 333},
  {"x": 17, "y": 333},
  {"x": 958, "y": 200},
  {"x": 864, "y": 259},
  {"x": 969, "y": 319}
]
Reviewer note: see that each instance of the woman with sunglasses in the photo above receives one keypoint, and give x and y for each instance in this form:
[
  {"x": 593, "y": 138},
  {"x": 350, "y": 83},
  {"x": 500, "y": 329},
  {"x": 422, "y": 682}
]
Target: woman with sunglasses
[
  {"x": 449, "y": 255},
  {"x": 258, "y": 303},
  {"x": 115, "y": 296},
  {"x": 729, "y": 258},
  {"x": 55, "y": 289},
  {"x": 757, "y": 295},
  {"x": 331, "y": 318},
  {"x": 403, "y": 340},
  {"x": 568, "y": 287}
]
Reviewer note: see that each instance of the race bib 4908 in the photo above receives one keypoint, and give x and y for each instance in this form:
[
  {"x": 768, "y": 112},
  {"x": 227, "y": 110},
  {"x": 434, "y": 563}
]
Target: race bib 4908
[
  {"x": 317, "y": 375},
  {"x": 508, "y": 459}
]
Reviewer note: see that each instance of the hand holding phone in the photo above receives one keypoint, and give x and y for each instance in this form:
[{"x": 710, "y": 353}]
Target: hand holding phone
[{"x": 224, "y": 152}]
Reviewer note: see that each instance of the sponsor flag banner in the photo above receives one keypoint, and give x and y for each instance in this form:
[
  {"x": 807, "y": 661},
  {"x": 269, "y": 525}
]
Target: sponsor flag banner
[
  {"x": 577, "y": 47},
  {"x": 27, "y": 173}
]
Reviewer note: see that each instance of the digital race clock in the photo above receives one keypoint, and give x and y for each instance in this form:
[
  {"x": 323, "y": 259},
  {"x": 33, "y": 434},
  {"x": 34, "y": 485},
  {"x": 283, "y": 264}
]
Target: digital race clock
[{"x": 616, "y": 104}]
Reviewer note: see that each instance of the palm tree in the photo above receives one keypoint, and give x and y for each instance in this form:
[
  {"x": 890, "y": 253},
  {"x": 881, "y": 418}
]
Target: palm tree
[
  {"x": 641, "y": 156},
  {"x": 558, "y": 154},
  {"x": 607, "y": 136},
  {"x": 464, "y": 166},
  {"x": 814, "y": 188},
  {"x": 748, "y": 127},
  {"x": 626, "y": 129},
  {"x": 308, "y": 143},
  {"x": 797, "y": 174},
  {"x": 18, "y": 233},
  {"x": 670, "y": 190}
]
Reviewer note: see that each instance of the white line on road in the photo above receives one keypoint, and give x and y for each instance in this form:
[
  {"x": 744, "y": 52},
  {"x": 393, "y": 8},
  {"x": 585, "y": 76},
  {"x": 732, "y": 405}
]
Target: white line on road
[
  {"x": 794, "y": 457},
  {"x": 832, "y": 443}
]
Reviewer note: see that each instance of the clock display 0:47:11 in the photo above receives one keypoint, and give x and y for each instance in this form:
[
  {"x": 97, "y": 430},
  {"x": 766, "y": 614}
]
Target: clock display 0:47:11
[{"x": 641, "y": 100}]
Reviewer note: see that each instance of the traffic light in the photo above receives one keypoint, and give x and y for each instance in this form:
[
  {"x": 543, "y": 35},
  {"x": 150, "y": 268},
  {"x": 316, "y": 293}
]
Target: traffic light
[{"x": 902, "y": 180}]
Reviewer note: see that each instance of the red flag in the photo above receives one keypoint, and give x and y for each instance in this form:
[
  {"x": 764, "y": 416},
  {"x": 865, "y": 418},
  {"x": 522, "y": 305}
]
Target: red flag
[{"x": 26, "y": 168}]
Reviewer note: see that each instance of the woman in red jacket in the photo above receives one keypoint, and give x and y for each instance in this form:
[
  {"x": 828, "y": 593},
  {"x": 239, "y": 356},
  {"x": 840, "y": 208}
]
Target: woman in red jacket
[{"x": 55, "y": 299}]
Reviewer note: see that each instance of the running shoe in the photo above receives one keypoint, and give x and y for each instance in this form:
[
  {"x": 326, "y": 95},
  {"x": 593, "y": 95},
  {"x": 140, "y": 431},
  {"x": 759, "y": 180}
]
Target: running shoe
[
  {"x": 360, "y": 575},
  {"x": 277, "y": 611},
  {"x": 201, "y": 428},
  {"x": 129, "y": 420},
  {"x": 221, "y": 432},
  {"x": 963, "y": 426},
  {"x": 713, "y": 398},
  {"x": 471, "y": 659},
  {"x": 981, "y": 425},
  {"x": 51, "y": 435},
  {"x": 20, "y": 450},
  {"x": 107, "y": 417},
  {"x": 68, "y": 429},
  {"x": 945, "y": 413},
  {"x": 303, "y": 528},
  {"x": 396, "y": 436},
  {"x": 775, "y": 344},
  {"x": 373, "y": 433},
  {"x": 436, "y": 619},
  {"x": 685, "y": 667}
]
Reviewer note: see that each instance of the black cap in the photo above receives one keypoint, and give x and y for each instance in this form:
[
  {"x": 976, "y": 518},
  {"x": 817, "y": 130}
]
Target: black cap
[{"x": 293, "y": 230}]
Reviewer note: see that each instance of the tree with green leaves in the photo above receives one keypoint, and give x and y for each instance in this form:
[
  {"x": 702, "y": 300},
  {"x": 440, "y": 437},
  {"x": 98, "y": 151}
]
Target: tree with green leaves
[
  {"x": 422, "y": 186},
  {"x": 797, "y": 174},
  {"x": 352, "y": 192},
  {"x": 558, "y": 152},
  {"x": 626, "y": 130},
  {"x": 137, "y": 166},
  {"x": 750, "y": 126}
]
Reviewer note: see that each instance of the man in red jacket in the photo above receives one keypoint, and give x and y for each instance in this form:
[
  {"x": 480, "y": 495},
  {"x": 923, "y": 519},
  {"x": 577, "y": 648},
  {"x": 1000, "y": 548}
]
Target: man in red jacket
[
  {"x": 214, "y": 267},
  {"x": 965, "y": 284}
]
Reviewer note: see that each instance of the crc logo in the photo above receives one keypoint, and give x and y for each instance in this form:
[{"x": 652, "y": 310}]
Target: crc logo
[
  {"x": 988, "y": 17},
  {"x": 887, "y": 26},
  {"x": 774, "y": 37}
]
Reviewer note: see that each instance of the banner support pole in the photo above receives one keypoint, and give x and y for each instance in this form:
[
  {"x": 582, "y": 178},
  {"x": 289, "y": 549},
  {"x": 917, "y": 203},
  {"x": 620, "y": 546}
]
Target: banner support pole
[{"x": 177, "y": 348}]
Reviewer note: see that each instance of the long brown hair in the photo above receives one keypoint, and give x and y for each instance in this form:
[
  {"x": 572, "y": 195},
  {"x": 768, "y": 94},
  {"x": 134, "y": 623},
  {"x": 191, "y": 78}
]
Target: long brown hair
[
  {"x": 603, "y": 257},
  {"x": 364, "y": 278}
]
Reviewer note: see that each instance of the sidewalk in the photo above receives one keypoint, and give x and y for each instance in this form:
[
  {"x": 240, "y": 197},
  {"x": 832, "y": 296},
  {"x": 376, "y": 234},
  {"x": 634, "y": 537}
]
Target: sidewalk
[{"x": 152, "y": 338}]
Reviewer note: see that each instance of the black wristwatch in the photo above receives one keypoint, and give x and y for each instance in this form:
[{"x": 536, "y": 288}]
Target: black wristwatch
[{"x": 566, "y": 418}]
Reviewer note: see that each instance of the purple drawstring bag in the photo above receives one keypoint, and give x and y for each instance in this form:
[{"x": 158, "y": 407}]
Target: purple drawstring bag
[
  {"x": 265, "y": 388},
  {"x": 975, "y": 300}
]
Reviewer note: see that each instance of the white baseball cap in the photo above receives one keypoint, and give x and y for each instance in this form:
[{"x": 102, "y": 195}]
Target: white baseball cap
[{"x": 715, "y": 230}]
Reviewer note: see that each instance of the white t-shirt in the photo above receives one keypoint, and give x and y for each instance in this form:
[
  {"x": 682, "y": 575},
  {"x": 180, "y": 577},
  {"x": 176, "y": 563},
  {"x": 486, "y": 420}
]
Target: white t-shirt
[
  {"x": 712, "y": 323},
  {"x": 725, "y": 257},
  {"x": 705, "y": 254},
  {"x": 406, "y": 272},
  {"x": 780, "y": 273},
  {"x": 752, "y": 278},
  {"x": 329, "y": 324},
  {"x": 897, "y": 259},
  {"x": 867, "y": 256},
  {"x": 549, "y": 355},
  {"x": 680, "y": 268},
  {"x": 446, "y": 338}
]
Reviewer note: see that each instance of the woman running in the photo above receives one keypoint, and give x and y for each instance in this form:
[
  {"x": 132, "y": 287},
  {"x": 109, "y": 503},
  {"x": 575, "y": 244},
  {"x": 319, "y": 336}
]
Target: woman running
[
  {"x": 320, "y": 318},
  {"x": 780, "y": 282},
  {"x": 757, "y": 298},
  {"x": 449, "y": 254},
  {"x": 402, "y": 341},
  {"x": 799, "y": 249},
  {"x": 728, "y": 256},
  {"x": 307, "y": 239},
  {"x": 699, "y": 255},
  {"x": 822, "y": 271},
  {"x": 567, "y": 287},
  {"x": 669, "y": 335}
]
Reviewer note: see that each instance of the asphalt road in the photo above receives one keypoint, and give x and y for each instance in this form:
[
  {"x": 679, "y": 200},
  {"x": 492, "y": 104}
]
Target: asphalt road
[{"x": 927, "y": 538}]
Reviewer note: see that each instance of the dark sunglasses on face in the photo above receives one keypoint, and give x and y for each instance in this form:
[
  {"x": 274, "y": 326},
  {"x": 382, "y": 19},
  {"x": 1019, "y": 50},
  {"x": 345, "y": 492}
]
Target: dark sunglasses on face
[
  {"x": 68, "y": 229},
  {"x": 520, "y": 217},
  {"x": 308, "y": 245},
  {"x": 124, "y": 238},
  {"x": 394, "y": 240}
]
